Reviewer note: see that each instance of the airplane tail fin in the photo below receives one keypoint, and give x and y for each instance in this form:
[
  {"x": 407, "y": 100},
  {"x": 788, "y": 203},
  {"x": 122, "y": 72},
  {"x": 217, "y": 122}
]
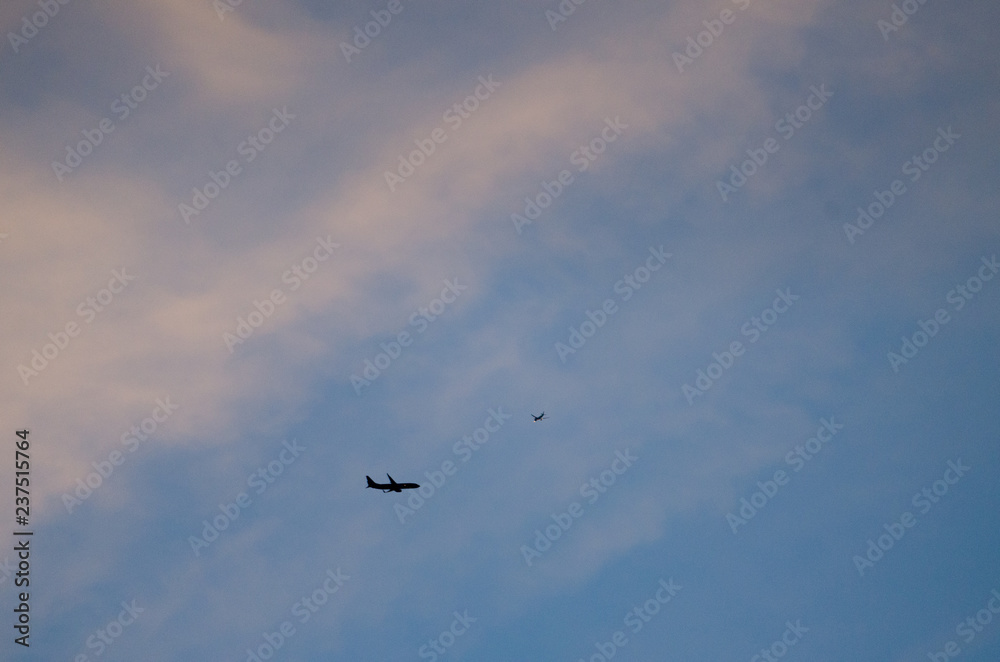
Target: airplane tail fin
[{"x": 371, "y": 483}]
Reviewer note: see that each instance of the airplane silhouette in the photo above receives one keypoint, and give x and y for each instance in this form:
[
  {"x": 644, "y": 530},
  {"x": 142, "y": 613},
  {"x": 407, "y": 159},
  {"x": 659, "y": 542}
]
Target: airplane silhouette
[
  {"x": 391, "y": 486},
  {"x": 539, "y": 417}
]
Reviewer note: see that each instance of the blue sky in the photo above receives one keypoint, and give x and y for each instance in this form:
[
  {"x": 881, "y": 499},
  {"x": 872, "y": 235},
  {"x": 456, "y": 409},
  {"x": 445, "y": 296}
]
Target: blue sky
[{"x": 218, "y": 299}]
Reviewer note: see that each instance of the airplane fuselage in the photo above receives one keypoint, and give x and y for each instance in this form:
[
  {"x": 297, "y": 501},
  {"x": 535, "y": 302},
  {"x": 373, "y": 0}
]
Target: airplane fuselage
[
  {"x": 391, "y": 486},
  {"x": 398, "y": 487}
]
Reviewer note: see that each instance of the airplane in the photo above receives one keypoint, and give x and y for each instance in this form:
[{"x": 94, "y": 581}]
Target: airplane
[
  {"x": 391, "y": 486},
  {"x": 539, "y": 417}
]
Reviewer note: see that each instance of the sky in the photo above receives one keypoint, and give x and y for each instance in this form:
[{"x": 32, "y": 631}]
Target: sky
[{"x": 742, "y": 253}]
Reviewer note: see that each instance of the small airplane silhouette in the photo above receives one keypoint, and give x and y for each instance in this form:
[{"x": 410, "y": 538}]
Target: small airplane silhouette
[
  {"x": 391, "y": 486},
  {"x": 539, "y": 417}
]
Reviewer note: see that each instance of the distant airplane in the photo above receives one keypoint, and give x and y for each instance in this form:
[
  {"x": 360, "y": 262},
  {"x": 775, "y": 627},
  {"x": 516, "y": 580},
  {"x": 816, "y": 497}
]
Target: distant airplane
[
  {"x": 539, "y": 417},
  {"x": 391, "y": 486}
]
